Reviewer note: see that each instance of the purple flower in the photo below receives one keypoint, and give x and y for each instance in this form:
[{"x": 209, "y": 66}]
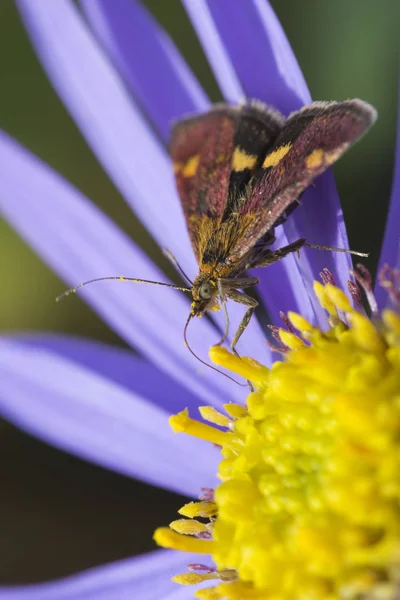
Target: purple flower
[{"x": 123, "y": 81}]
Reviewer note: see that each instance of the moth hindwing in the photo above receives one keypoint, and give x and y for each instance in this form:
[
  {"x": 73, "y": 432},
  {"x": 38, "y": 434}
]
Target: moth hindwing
[{"x": 239, "y": 173}]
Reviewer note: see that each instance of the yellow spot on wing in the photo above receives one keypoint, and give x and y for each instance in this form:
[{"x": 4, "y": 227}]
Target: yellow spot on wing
[
  {"x": 315, "y": 159},
  {"x": 191, "y": 165},
  {"x": 241, "y": 160},
  {"x": 272, "y": 159}
]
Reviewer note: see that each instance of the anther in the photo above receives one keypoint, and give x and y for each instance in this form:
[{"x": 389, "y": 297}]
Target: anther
[
  {"x": 206, "y": 494},
  {"x": 355, "y": 294},
  {"x": 287, "y": 322},
  {"x": 275, "y": 332},
  {"x": 327, "y": 276}
]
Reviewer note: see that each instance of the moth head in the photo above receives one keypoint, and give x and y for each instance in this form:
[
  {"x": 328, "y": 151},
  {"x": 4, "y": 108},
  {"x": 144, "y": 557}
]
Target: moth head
[{"x": 204, "y": 292}]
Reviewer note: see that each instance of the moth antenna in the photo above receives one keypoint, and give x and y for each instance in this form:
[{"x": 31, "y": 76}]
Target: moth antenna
[
  {"x": 203, "y": 361},
  {"x": 332, "y": 249},
  {"x": 168, "y": 254},
  {"x": 73, "y": 290}
]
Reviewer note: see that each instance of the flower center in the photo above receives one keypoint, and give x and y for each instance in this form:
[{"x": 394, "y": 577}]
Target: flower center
[{"x": 308, "y": 505}]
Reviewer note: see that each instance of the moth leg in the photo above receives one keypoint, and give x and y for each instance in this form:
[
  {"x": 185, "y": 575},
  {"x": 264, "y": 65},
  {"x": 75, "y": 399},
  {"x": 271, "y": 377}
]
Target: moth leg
[
  {"x": 272, "y": 256},
  {"x": 247, "y": 301},
  {"x": 222, "y": 297},
  {"x": 238, "y": 282},
  {"x": 224, "y": 287}
]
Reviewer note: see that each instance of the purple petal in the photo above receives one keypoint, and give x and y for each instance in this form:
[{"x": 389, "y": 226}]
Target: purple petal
[
  {"x": 82, "y": 412},
  {"x": 108, "y": 118},
  {"x": 79, "y": 242},
  {"x": 148, "y": 60},
  {"x": 214, "y": 48},
  {"x": 390, "y": 252},
  {"x": 264, "y": 49},
  {"x": 119, "y": 366},
  {"x": 146, "y": 577}
]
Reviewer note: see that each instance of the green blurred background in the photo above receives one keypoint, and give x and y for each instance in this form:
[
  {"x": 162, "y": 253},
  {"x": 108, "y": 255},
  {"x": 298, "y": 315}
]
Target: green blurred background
[{"x": 58, "y": 514}]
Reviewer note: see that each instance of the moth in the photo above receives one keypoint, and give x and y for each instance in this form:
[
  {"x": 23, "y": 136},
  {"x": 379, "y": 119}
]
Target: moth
[{"x": 240, "y": 171}]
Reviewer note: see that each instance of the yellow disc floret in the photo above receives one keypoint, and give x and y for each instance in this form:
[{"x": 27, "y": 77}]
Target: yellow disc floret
[{"x": 309, "y": 502}]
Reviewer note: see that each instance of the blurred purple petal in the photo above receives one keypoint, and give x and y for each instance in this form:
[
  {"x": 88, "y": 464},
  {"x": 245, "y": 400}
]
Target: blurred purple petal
[
  {"x": 108, "y": 118},
  {"x": 263, "y": 60},
  {"x": 79, "y": 242},
  {"x": 82, "y": 412},
  {"x": 117, "y": 133},
  {"x": 119, "y": 366},
  {"x": 147, "y": 59},
  {"x": 146, "y": 577},
  {"x": 214, "y": 48},
  {"x": 390, "y": 252}
]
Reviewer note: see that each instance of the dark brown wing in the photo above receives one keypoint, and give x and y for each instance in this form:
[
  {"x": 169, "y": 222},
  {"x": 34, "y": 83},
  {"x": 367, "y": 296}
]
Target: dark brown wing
[
  {"x": 214, "y": 157},
  {"x": 312, "y": 139}
]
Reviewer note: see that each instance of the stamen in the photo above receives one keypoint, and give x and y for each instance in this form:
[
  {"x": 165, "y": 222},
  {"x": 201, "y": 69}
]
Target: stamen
[
  {"x": 200, "y": 567},
  {"x": 182, "y": 423},
  {"x": 286, "y": 321},
  {"x": 327, "y": 277},
  {"x": 247, "y": 367},
  {"x": 291, "y": 340},
  {"x": 235, "y": 410},
  {"x": 194, "y": 578},
  {"x": 189, "y": 527},
  {"x": 166, "y": 538},
  {"x": 300, "y": 323},
  {"x": 205, "y": 509},
  {"x": 278, "y": 349},
  {"x": 211, "y": 414},
  {"x": 338, "y": 297},
  {"x": 365, "y": 333},
  {"x": 325, "y": 302},
  {"x": 282, "y": 348},
  {"x": 391, "y": 320},
  {"x": 206, "y": 493}
]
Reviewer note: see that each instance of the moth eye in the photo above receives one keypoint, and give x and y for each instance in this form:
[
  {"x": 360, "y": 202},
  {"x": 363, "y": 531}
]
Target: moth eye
[{"x": 205, "y": 291}]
